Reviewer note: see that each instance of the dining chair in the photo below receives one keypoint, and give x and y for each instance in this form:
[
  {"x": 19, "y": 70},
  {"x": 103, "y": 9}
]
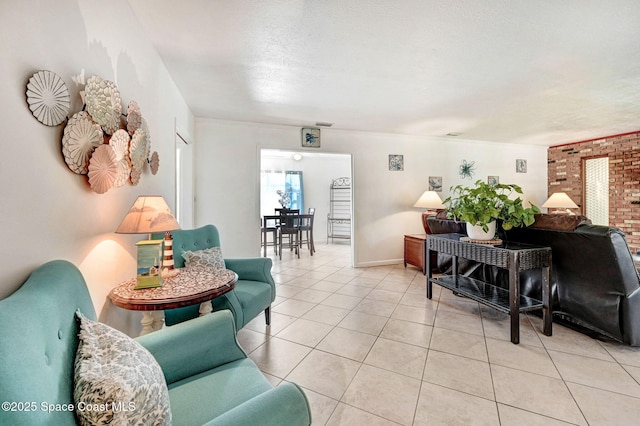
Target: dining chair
[
  {"x": 270, "y": 226},
  {"x": 283, "y": 210},
  {"x": 289, "y": 227},
  {"x": 306, "y": 230}
]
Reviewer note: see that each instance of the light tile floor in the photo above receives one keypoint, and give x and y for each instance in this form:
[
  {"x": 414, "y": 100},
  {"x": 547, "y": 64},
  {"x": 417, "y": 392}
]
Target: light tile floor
[{"x": 369, "y": 349}]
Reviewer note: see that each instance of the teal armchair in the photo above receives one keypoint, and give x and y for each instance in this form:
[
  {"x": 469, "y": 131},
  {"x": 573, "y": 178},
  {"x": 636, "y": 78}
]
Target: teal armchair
[
  {"x": 215, "y": 383},
  {"x": 209, "y": 377},
  {"x": 255, "y": 289}
]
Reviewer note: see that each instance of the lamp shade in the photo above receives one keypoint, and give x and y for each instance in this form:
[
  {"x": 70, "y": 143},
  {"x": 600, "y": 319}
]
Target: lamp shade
[
  {"x": 429, "y": 200},
  {"x": 148, "y": 214},
  {"x": 560, "y": 200}
]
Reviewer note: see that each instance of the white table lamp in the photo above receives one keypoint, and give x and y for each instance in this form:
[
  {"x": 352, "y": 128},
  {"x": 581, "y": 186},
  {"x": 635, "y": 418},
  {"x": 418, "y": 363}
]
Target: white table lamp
[
  {"x": 429, "y": 200},
  {"x": 148, "y": 215},
  {"x": 561, "y": 203}
]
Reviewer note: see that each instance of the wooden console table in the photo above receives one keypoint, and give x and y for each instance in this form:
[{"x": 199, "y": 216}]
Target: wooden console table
[
  {"x": 189, "y": 286},
  {"x": 514, "y": 257}
]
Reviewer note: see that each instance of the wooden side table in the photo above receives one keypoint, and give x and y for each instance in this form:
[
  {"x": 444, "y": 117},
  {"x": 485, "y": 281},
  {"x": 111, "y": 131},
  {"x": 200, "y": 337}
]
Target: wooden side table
[
  {"x": 415, "y": 251},
  {"x": 189, "y": 286}
]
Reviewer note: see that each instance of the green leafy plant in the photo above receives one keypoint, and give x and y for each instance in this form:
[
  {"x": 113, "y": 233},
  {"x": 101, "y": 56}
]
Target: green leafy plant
[{"x": 484, "y": 203}]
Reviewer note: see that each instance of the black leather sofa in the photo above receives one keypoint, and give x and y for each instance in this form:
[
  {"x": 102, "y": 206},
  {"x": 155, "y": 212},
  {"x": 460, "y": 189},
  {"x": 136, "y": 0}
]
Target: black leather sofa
[{"x": 595, "y": 284}]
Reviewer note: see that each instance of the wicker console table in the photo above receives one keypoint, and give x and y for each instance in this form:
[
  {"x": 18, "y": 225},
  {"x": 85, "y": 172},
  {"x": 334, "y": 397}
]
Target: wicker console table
[{"x": 514, "y": 257}]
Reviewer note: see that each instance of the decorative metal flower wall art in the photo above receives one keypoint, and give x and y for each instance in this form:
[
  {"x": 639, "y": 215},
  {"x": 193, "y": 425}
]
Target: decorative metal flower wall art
[
  {"x": 119, "y": 142},
  {"x": 134, "y": 117},
  {"x": 467, "y": 170},
  {"x": 102, "y": 169},
  {"x": 81, "y": 136},
  {"x": 135, "y": 177},
  {"x": 139, "y": 150},
  {"x": 154, "y": 162},
  {"x": 103, "y": 103},
  {"x": 48, "y": 98},
  {"x": 96, "y": 141}
]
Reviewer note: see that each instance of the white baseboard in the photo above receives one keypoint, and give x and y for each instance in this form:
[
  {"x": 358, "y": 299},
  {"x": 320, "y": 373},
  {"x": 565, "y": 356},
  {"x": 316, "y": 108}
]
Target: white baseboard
[{"x": 379, "y": 263}]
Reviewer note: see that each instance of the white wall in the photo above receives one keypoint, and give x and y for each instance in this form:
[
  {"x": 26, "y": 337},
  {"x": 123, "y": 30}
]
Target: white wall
[
  {"x": 48, "y": 212},
  {"x": 227, "y": 180}
]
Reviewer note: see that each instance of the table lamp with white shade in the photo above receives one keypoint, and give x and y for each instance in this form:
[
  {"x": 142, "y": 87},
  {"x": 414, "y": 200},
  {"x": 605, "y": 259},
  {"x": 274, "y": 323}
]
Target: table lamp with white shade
[
  {"x": 148, "y": 215},
  {"x": 561, "y": 202},
  {"x": 431, "y": 201}
]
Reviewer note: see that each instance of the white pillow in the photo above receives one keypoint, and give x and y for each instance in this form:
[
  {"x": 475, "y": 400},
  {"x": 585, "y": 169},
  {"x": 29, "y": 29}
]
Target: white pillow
[
  {"x": 116, "y": 380},
  {"x": 211, "y": 257}
]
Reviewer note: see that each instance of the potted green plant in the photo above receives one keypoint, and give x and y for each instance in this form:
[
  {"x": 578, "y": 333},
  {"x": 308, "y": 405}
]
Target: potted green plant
[{"x": 480, "y": 206}]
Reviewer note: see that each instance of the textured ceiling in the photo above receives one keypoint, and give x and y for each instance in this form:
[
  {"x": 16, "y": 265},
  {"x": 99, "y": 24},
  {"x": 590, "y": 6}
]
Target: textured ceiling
[{"x": 536, "y": 72}]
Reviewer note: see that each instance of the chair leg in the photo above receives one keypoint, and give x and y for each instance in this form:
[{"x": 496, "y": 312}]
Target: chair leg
[
  {"x": 267, "y": 315},
  {"x": 280, "y": 244},
  {"x": 275, "y": 239},
  {"x": 264, "y": 243}
]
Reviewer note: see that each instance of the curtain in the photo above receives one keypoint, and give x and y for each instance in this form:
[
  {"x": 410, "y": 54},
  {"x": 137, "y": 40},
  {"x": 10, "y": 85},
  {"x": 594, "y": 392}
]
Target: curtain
[{"x": 293, "y": 186}]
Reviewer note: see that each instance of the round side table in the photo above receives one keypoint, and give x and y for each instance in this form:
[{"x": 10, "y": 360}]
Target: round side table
[{"x": 187, "y": 287}]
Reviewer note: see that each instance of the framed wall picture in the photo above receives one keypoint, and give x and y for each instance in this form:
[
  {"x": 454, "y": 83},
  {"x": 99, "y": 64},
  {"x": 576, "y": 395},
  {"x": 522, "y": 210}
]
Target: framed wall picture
[
  {"x": 396, "y": 163},
  {"x": 310, "y": 137},
  {"x": 493, "y": 180},
  {"x": 521, "y": 166},
  {"x": 435, "y": 183}
]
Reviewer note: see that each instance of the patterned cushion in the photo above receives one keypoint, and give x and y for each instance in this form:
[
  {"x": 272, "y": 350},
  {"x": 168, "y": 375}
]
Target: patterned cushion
[
  {"x": 211, "y": 257},
  {"x": 116, "y": 380}
]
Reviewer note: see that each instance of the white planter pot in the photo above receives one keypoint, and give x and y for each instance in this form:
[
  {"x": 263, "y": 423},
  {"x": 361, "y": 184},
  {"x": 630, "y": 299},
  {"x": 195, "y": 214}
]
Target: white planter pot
[{"x": 475, "y": 232}]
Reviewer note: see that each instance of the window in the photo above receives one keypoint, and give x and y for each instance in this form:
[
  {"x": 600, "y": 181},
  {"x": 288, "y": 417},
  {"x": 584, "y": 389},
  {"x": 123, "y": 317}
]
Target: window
[
  {"x": 596, "y": 190},
  {"x": 288, "y": 182}
]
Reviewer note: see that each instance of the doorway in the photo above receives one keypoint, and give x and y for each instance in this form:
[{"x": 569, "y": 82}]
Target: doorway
[
  {"x": 316, "y": 171},
  {"x": 184, "y": 181}
]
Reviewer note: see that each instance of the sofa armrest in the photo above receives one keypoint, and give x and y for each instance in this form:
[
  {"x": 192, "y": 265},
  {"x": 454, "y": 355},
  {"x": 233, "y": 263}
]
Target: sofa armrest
[
  {"x": 283, "y": 405},
  {"x": 194, "y": 346},
  {"x": 252, "y": 269}
]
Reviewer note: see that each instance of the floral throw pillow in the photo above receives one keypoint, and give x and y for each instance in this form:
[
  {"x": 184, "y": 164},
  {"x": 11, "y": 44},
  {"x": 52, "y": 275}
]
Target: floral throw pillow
[
  {"x": 116, "y": 380},
  {"x": 211, "y": 257}
]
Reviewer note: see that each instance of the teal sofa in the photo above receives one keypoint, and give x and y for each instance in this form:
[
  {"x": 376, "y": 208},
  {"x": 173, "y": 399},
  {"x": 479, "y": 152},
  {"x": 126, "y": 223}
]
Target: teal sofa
[
  {"x": 254, "y": 292},
  {"x": 209, "y": 377}
]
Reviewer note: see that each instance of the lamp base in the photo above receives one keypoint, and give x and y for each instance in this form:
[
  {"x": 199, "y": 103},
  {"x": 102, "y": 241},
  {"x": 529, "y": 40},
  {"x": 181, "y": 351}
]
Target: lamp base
[
  {"x": 563, "y": 211},
  {"x": 168, "y": 251},
  {"x": 425, "y": 215}
]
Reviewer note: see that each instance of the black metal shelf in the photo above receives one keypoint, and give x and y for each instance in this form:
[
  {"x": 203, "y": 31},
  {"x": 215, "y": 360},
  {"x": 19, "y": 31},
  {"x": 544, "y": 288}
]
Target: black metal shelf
[
  {"x": 514, "y": 257},
  {"x": 339, "y": 216},
  {"x": 488, "y": 294}
]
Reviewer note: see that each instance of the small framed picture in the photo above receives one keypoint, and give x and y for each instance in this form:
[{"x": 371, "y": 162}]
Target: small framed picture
[
  {"x": 150, "y": 256},
  {"x": 396, "y": 163},
  {"x": 493, "y": 180},
  {"x": 435, "y": 183},
  {"x": 521, "y": 166},
  {"x": 310, "y": 137}
]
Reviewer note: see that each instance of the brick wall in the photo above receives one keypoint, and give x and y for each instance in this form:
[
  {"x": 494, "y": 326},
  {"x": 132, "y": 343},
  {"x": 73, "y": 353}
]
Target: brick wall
[{"x": 565, "y": 175}]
